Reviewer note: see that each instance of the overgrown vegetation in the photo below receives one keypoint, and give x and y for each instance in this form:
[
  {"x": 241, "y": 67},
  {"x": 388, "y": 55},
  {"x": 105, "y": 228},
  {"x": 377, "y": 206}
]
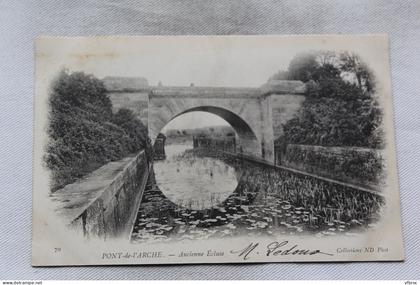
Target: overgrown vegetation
[
  {"x": 84, "y": 133},
  {"x": 341, "y": 107},
  {"x": 359, "y": 166},
  {"x": 182, "y": 136}
]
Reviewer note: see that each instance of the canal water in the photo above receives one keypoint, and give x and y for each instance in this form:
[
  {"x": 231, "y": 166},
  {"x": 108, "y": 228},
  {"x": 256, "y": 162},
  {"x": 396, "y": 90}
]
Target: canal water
[
  {"x": 194, "y": 196},
  {"x": 196, "y": 183}
]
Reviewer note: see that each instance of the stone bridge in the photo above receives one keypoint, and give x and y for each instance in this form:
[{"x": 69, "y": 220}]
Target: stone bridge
[
  {"x": 105, "y": 203},
  {"x": 256, "y": 114}
]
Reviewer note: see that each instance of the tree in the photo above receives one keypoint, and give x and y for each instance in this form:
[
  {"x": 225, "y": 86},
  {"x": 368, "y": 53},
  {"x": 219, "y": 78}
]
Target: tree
[
  {"x": 351, "y": 63},
  {"x": 326, "y": 57},
  {"x": 133, "y": 127},
  {"x": 82, "y": 132},
  {"x": 81, "y": 92},
  {"x": 302, "y": 67},
  {"x": 280, "y": 75},
  {"x": 307, "y": 66},
  {"x": 337, "y": 111}
]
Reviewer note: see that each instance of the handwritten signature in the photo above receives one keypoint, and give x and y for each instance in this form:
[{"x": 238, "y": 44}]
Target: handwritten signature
[{"x": 275, "y": 249}]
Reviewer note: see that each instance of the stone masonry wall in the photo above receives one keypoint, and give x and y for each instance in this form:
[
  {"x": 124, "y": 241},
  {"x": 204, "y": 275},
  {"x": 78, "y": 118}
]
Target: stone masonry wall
[{"x": 105, "y": 203}]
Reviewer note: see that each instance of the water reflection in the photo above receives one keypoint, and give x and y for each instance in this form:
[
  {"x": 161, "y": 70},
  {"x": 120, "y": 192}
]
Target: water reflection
[
  {"x": 265, "y": 202},
  {"x": 193, "y": 182}
]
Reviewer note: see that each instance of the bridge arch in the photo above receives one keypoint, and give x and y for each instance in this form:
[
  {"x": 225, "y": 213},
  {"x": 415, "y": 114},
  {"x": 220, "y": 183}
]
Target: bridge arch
[
  {"x": 247, "y": 138},
  {"x": 249, "y": 113}
]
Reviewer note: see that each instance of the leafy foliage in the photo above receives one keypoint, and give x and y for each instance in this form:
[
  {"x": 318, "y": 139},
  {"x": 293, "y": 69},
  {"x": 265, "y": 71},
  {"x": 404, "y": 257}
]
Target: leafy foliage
[
  {"x": 359, "y": 166},
  {"x": 84, "y": 133},
  {"x": 133, "y": 127},
  {"x": 341, "y": 107}
]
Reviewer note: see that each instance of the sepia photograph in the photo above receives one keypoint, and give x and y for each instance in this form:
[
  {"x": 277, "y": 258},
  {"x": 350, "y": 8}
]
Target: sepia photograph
[{"x": 214, "y": 149}]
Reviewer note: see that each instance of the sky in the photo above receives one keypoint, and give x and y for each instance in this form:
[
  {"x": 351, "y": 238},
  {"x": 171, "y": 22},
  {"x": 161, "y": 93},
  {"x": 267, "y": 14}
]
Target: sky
[
  {"x": 194, "y": 120},
  {"x": 242, "y": 61},
  {"x": 235, "y": 61},
  {"x": 202, "y": 62}
]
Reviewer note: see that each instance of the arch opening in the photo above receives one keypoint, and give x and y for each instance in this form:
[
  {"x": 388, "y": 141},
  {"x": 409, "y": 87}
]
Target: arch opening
[
  {"x": 188, "y": 176},
  {"x": 247, "y": 142}
]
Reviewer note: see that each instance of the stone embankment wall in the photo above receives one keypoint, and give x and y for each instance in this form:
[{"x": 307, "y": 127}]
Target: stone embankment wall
[
  {"x": 359, "y": 166},
  {"x": 105, "y": 203}
]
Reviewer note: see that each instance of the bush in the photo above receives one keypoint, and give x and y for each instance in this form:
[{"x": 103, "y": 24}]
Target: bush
[
  {"x": 133, "y": 127},
  {"x": 84, "y": 133},
  {"x": 341, "y": 107},
  {"x": 358, "y": 166}
]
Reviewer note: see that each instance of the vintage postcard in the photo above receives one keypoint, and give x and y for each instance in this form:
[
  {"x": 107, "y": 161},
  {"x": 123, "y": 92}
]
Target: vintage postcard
[{"x": 214, "y": 149}]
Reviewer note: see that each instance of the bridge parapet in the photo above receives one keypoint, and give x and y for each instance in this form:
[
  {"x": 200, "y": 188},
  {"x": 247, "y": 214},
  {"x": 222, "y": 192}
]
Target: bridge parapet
[
  {"x": 289, "y": 87},
  {"x": 206, "y": 92}
]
